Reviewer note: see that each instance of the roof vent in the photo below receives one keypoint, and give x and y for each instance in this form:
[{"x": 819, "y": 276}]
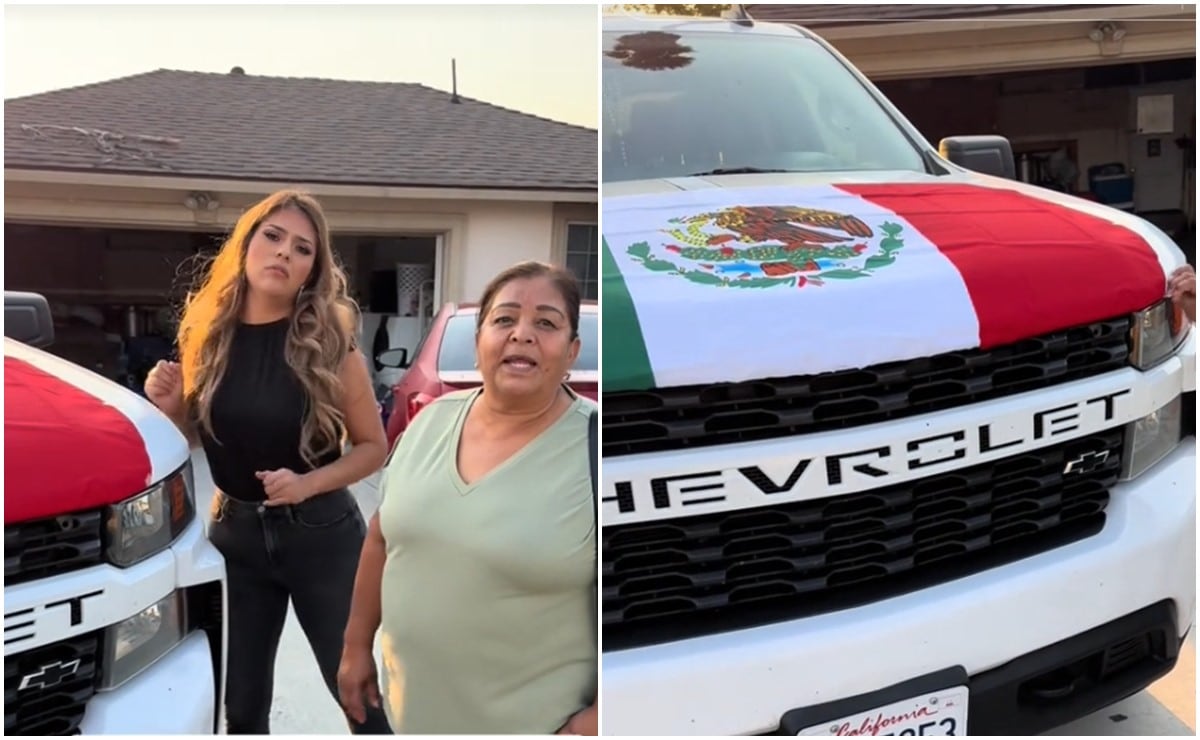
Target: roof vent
[{"x": 237, "y": 71}]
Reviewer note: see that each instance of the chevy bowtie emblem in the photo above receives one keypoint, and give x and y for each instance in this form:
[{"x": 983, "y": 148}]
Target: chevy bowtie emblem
[
  {"x": 1088, "y": 462},
  {"x": 50, "y": 675}
]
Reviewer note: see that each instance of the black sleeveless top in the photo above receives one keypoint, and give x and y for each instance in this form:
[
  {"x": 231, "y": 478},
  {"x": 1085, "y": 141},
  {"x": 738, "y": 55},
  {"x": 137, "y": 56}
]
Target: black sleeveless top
[{"x": 257, "y": 413}]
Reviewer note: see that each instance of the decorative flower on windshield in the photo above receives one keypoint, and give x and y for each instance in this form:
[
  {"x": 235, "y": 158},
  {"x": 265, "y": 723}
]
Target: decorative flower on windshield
[{"x": 651, "y": 50}]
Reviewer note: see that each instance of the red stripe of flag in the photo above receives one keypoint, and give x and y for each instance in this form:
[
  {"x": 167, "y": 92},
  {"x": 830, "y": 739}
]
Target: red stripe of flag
[
  {"x": 1030, "y": 267},
  {"x": 64, "y": 449}
]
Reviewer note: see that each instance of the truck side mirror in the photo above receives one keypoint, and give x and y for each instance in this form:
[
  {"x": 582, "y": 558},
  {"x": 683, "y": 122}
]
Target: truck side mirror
[
  {"x": 991, "y": 155},
  {"x": 27, "y": 319}
]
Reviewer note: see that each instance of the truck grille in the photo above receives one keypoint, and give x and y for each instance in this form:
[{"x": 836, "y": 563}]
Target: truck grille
[
  {"x": 667, "y": 580},
  {"x": 59, "y": 680},
  {"x": 49, "y": 547},
  {"x": 724, "y": 413}
]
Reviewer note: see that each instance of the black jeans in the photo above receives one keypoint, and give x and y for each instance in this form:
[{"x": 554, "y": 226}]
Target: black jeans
[{"x": 308, "y": 553}]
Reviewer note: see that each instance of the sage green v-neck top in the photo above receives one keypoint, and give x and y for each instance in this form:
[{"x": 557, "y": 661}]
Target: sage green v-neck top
[{"x": 488, "y": 606}]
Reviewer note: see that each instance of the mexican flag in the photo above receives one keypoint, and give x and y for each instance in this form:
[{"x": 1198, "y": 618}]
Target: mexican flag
[
  {"x": 74, "y": 441},
  {"x": 721, "y": 285}
]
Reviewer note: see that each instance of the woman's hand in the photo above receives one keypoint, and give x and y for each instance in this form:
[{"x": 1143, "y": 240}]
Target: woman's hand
[
  {"x": 1182, "y": 289},
  {"x": 164, "y": 387},
  {"x": 284, "y": 487},
  {"x": 358, "y": 682},
  {"x": 583, "y": 723}
]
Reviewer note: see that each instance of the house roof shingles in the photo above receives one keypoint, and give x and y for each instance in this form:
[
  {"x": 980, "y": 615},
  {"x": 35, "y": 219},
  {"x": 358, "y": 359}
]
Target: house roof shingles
[
  {"x": 295, "y": 130},
  {"x": 815, "y": 16}
]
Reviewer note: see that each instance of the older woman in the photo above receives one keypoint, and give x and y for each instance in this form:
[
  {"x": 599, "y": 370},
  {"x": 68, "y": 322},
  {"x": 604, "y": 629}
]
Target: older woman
[{"x": 480, "y": 565}]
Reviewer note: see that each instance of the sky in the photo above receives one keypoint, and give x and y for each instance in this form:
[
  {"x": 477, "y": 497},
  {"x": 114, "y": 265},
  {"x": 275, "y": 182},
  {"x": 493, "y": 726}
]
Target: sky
[{"x": 541, "y": 60}]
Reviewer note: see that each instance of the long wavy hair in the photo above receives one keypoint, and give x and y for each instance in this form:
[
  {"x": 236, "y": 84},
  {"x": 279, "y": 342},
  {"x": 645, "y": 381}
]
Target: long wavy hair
[{"x": 323, "y": 326}]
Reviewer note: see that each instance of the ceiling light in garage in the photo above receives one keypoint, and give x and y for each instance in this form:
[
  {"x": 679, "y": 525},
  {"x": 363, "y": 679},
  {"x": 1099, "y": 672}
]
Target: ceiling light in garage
[
  {"x": 1106, "y": 31},
  {"x": 201, "y": 202},
  {"x": 1109, "y": 37}
]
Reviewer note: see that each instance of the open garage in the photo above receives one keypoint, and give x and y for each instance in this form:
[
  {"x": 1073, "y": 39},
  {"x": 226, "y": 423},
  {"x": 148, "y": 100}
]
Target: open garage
[{"x": 1097, "y": 100}]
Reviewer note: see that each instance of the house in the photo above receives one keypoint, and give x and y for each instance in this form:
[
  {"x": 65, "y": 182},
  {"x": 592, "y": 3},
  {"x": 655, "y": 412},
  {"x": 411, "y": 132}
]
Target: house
[
  {"x": 1096, "y": 85},
  {"x": 113, "y": 189}
]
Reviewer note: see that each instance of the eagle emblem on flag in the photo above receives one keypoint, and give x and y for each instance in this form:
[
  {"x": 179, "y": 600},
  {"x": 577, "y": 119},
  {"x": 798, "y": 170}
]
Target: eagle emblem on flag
[{"x": 770, "y": 246}]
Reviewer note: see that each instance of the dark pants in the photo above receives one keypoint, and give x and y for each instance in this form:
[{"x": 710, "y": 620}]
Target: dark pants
[{"x": 308, "y": 553}]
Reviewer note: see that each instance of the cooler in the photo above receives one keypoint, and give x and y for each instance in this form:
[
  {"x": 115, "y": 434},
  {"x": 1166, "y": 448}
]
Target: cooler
[{"x": 1112, "y": 185}]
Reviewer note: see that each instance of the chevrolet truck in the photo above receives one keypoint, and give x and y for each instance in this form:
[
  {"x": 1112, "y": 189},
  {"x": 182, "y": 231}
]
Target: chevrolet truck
[
  {"x": 893, "y": 443},
  {"x": 114, "y": 600}
]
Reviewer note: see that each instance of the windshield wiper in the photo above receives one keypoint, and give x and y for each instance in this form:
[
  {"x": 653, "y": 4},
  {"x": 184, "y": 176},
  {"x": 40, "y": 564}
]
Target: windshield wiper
[{"x": 737, "y": 171}]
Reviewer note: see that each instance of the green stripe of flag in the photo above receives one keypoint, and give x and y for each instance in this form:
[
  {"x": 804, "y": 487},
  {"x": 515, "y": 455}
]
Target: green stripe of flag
[{"x": 625, "y": 364}]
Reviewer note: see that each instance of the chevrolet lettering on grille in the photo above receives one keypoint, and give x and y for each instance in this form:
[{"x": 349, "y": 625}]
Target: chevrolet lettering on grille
[
  {"x": 25, "y": 628},
  {"x": 803, "y": 476},
  {"x": 50, "y": 675}
]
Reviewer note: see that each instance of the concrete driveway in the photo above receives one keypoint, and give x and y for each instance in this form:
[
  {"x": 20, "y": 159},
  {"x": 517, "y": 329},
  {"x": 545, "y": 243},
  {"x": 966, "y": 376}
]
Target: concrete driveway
[{"x": 304, "y": 707}]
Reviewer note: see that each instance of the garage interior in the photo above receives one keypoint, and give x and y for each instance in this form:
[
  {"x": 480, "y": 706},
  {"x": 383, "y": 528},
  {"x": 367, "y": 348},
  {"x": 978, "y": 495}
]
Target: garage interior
[
  {"x": 116, "y": 294},
  {"x": 1121, "y": 134}
]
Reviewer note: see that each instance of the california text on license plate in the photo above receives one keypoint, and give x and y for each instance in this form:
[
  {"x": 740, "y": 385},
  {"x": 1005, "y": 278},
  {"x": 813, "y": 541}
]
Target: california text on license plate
[{"x": 938, "y": 713}]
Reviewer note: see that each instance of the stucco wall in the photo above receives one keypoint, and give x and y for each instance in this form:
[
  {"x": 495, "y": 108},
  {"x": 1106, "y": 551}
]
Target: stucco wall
[
  {"x": 950, "y": 47},
  {"x": 499, "y": 235}
]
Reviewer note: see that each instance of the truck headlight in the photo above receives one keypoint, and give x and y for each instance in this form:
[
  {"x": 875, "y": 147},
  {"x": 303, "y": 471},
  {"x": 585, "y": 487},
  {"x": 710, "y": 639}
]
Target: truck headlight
[
  {"x": 136, "y": 643},
  {"x": 1156, "y": 333},
  {"x": 1151, "y": 438},
  {"x": 149, "y": 522}
]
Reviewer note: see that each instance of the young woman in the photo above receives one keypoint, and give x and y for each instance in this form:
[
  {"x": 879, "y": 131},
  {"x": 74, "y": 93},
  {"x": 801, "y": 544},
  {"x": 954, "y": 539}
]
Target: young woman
[
  {"x": 271, "y": 383},
  {"x": 480, "y": 565}
]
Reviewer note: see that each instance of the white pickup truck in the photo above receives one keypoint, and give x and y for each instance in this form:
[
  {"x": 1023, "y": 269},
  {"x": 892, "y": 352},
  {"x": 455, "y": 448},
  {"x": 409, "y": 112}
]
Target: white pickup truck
[
  {"x": 893, "y": 444},
  {"x": 114, "y": 599}
]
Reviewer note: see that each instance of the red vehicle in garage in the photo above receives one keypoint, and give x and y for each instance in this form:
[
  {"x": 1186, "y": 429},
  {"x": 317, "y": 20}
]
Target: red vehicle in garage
[{"x": 444, "y": 361}]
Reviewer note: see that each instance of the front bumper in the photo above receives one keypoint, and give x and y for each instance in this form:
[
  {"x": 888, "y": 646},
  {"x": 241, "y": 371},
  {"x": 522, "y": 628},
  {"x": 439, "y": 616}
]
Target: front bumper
[
  {"x": 745, "y": 682},
  {"x": 64, "y": 617},
  {"x": 175, "y": 696}
]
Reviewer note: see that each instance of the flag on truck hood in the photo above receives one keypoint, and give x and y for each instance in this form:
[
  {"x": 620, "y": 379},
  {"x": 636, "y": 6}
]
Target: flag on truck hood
[
  {"x": 720, "y": 285},
  {"x": 75, "y": 441}
]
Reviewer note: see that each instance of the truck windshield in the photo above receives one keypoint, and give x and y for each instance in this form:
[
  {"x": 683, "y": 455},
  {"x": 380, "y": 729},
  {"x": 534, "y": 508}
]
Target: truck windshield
[
  {"x": 457, "y": 353},
  {"x": 688, "y": 103}
]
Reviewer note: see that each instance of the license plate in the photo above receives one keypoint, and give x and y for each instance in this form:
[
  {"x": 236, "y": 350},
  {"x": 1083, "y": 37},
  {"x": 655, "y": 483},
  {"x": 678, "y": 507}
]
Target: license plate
[{"x": 941, "y": 712}]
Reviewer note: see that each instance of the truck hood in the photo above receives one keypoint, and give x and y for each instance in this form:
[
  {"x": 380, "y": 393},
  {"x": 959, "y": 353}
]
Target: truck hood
[
  {"x": 734, "y": 278},
  {"x": 74, "y": 440}
]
